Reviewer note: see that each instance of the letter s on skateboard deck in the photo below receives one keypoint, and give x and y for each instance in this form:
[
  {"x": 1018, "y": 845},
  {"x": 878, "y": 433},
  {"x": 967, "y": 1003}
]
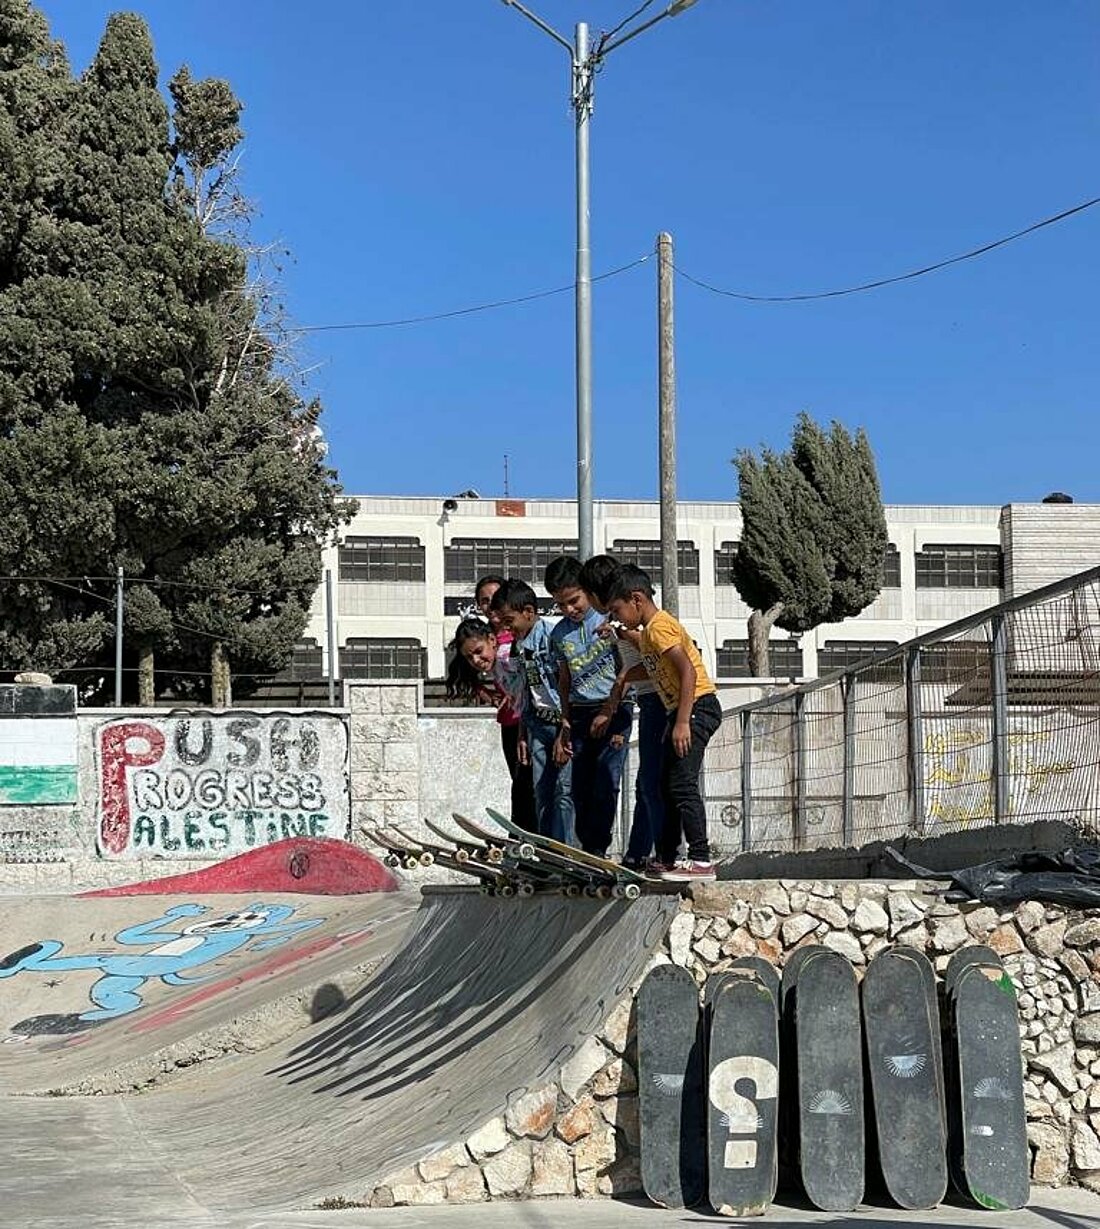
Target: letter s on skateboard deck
[
  {"x": 670, "y": 1088},
  {"x": 829, "y": 1060},
  {"x": 743, "y": 1098},
  {"x": 906, "y": 1086}
]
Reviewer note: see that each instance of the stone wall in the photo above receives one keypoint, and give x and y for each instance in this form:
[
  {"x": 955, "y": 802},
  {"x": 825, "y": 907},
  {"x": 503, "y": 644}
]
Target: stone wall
[{"x": 579, "y": 1135}]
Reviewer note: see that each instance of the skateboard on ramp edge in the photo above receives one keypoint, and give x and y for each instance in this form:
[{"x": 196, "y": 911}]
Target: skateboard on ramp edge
[
  {"x": 670, "y": 1088},
  {"x": 829, "y": 1074},
  {"x": 906, "y": 1084},
  {"x": 743, "y": 1098}
]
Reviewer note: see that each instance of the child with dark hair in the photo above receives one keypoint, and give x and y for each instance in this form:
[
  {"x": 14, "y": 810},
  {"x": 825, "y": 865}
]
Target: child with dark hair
[
  {"x": 599, "y": 577},
  {"x": 694, "y": 714},
  {"x": 481, "y": 667},
  {"x": 483, "y": 596},
  {"x": 587, "y": 670},
  {"x": 516, "y": 606}
]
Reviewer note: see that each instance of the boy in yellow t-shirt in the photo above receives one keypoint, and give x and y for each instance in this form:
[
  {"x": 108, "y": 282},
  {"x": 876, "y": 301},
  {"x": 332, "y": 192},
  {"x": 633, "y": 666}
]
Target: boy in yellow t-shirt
[{"x": 691, "y": 701}]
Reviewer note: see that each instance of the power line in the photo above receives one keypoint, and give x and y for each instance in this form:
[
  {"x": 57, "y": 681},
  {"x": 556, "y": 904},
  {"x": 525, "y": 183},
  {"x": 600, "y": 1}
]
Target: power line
[
  {"x": 888, "y": 281},
  {"x": 469, "y": 311}
]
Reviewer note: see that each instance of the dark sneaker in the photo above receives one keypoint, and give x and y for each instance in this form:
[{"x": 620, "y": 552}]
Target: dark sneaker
[
  {"x": 655, "y": 869},
  {"x": 690, "y": 872}
]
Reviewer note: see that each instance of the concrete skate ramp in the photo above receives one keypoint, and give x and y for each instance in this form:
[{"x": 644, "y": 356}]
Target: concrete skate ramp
[
  {"x": 102, "y": 994},
  {"x": 486, "y": 999}
]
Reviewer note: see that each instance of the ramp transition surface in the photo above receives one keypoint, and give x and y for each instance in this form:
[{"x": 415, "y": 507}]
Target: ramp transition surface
[{"x": 485, "y": 999}]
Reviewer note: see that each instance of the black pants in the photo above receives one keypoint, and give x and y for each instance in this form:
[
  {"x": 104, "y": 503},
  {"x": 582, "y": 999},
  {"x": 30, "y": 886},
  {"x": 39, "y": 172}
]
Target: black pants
[
  {"x": 523, "y": 783},
  {"x": 685, "y": 814}
]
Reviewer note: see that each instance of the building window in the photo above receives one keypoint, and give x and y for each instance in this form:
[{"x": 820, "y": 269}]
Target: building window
[
  {"x": 723, "y": 563},
  {"x": 306, "y": 663},
  {"x": 891, "y": 568},
  {"x": 843, "y": 654},
  {"x": 959, "y": 567},
  {"x": 382, "y": 658},
  {"x": 646, "y": 554},
  {"x": 954, "y": 662},
  {"x": 373, "y": 559},
  {"x": 466, "y": 560},
  {"x": 784, "y": 659}
]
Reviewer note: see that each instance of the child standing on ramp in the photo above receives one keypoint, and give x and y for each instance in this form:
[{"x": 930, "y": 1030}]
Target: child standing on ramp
[{"x": 694, "y": 714}]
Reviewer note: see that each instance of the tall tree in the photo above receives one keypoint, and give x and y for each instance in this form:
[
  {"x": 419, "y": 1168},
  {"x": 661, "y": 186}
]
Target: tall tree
[
  {"x": 814, "y": 535},
  {"x": 144, "y": 419}
]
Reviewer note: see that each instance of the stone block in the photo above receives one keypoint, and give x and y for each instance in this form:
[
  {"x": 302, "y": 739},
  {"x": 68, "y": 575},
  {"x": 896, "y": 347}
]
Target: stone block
[
  {"x": 597, "y": 1150},
  {"x": 532, "y": 1115},
  {"x": 915, "y": 936},
  {"x": 582, "y": 1067},
  {"x": 1047, "y": 940},
  {"x": 577, "y": 1122},
  {"x": 979, "y": 922},
  {"x": 775, "y": 897},
  {"x": 870, "y": 918},
  {"x": 616, "y": 1032},
  {"x": 552, "y": 1169},
  {"x": 363, "y": 698},
  {"x": 1005, "y": 940},
  {"x": 616, "y": 1078},
  {"x": 444, "y": 1163},
  {"x": 399, "y": 698},
  {"x": 740, "y": 943},
  {"x": 796, "y": 928},
  {"x": 508, "y": 1172},
  {"x": 491, "y": 1138},
  {"x": 828, "y": 911},
  {"x": 1050, "y": 1166},
  {"x": 622, "y": 1113},
  {"x": 844, "y": 943},
  {"x": 1087, "y": 1030},
  {"x": 904, "y": 911},
  {"x": 1084, "y": 1146},
  {"x": 1084, "y": 934},
  {"x": 708, "y": 950},
  {"x": 366, "y": 757},
  {"x": 762, "y": 922},
  {"x": 680, "y": 935},
  {"x": 466, "y": 1186},
  {"x": 948, "y": 933},
  {"x": 1030, "y": 915},
  {"x": 1059, "y": 1064},
  {"x": 400, "y": 757}
]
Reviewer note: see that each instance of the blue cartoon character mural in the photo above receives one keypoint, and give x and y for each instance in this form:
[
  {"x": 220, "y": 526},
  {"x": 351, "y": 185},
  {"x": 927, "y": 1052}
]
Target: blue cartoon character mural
[{"x": 185, "y": 947}]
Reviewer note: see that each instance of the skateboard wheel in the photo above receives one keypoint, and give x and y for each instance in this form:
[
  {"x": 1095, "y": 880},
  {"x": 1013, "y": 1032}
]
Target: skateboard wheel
[
  {"x": 392, "y": 860},
  {"x": 632, "y": 891},
  {"x": 590, "y": 889},
  {"x": 526, "y": 889},
  {"x": 461, "y": 855},
  {"x": 506, "y": 889},
  {"x": 571, "y": 890},
  {"x": 526, "y": 851},
  {"x": 603, "y": 892},
  {"x": 495, "y": 856},
  {"x": 426, "y": 859},
  {"x": 412, "y": 864}
]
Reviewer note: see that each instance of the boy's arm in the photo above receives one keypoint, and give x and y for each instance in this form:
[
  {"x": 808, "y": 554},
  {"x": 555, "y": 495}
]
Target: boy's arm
[
  {"x": 563, "y": 743},
  {"x": 626, "y": 676},
  {"x": 681, "y": 729}
]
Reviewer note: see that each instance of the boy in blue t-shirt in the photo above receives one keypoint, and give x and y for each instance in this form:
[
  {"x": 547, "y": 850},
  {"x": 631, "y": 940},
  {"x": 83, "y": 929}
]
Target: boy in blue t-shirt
[
  {"x": 535, "y": 671},
  {"x": 587, "y": 668}
]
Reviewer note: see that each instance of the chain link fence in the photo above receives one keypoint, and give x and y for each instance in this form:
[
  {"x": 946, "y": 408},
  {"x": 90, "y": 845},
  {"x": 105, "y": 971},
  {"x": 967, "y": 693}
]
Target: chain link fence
[{"x": 994, "y": 719}]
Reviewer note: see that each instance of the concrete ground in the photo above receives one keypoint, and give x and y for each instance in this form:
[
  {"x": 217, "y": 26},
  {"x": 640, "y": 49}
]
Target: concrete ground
[{"x": 1066, "y": 1209}]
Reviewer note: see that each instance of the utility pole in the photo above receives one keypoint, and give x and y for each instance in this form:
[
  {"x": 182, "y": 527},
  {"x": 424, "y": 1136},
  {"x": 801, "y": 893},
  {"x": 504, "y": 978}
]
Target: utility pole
[
  {"x": 330, "y": 636},
  {"x": 666, "y": 420},
  {"x": 585, "y": 61},
  {"x": 118, "y": 638}
]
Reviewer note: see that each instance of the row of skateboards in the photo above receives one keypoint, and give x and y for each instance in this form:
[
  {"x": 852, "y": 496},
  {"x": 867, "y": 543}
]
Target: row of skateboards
[
  {"x": 802, "y": 1072},
  {"x": 507, "y": 860}
]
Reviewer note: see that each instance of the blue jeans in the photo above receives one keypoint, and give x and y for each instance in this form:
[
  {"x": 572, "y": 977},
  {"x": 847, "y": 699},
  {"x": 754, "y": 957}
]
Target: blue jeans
[
  {"x": 553, "y": 784},
  {"x": 597, "y": 771},
  {"x": 649, "y": 803}
]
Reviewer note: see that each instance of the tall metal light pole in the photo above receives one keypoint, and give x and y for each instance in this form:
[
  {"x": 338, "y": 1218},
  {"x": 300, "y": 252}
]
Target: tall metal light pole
[{"x": 584, "y": 62}]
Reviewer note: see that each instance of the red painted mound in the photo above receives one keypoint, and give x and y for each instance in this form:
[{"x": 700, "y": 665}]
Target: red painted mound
[{"x": 315, "y": 865}]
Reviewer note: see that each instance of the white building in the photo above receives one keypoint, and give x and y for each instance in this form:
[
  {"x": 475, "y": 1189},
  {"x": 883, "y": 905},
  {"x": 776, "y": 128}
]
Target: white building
[{"x": 406, "y": 565}]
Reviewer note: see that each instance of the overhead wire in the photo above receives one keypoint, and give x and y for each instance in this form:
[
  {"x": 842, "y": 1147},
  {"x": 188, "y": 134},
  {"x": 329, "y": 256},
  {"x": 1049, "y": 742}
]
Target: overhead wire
[
  {"x": 887, "y": 281},
  {"x": 469, "y": 311}
]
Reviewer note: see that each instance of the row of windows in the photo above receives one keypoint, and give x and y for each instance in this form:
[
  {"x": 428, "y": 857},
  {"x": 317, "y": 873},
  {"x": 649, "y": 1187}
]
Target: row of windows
[
  {"x": 952, "y": 663},
  {"x": 389, "y": 658},
  {"x": 466, "y": 560}
]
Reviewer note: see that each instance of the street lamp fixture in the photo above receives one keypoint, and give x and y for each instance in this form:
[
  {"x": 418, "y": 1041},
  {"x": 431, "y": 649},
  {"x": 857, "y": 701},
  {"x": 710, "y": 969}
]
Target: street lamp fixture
[{"x": 584, "y": 62}]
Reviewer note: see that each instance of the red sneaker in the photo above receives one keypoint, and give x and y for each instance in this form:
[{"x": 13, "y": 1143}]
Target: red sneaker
[{"x": 690, "y": 872}]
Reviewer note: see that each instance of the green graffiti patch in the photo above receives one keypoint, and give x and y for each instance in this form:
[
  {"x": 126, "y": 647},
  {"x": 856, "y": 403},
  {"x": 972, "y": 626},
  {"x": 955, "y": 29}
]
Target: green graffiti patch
[{"x": 30, "y": 785}]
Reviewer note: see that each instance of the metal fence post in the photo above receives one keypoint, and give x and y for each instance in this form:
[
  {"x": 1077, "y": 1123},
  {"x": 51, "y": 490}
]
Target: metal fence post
[
  {"x": 1002, "y": 797},
  {"x": 799, "y": 769},
  {"x": 847, "y": 819},
  {"x": 746, "y": 780},
  {"x": 915, "y": 740}
]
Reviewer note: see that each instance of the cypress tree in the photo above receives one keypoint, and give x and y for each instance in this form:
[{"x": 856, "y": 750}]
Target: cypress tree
[{"x": 814, "y": 537}]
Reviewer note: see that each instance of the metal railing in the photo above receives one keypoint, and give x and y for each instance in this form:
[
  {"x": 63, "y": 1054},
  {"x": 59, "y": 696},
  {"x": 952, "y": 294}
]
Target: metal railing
[{"x": 994, "y": 719}]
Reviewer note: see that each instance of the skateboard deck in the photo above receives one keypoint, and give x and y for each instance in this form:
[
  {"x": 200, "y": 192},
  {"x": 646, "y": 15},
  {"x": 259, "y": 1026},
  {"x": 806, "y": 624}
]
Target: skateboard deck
[
  {"x": 616, "y": 870},
  {"x": 989, "y": 1148},
  {"x": 762, "y": 968},
  {"x": 465, "y": 843},
  {"x": 742, "y": 1098},
  {"x": 965, "y": 958},
  {"x": 900, "y": 1034},
  {"x": 520, "y": 857},
  {"x": 829, "y": 1065},
  {"x": 670, "y": 1088},
  {"x": 402, "y": 851}
]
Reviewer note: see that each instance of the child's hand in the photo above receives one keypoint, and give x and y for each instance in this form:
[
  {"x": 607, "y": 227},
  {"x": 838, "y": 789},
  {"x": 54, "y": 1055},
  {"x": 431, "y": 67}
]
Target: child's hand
[
  {"x": 607, "y": 630},
  {"x": 617, "y": 740},
  {"x": 562, "y": 750},
  {"x": 599, "y": 724},
  {"x": 681, "y": 738}
]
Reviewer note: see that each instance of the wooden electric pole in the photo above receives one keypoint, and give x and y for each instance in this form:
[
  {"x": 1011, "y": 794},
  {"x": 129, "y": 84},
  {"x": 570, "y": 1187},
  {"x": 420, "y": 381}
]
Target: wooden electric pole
[{"x": 666, "y": 419}]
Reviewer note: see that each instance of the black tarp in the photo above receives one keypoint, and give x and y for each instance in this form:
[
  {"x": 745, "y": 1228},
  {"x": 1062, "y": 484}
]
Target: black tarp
[{"x": 1071, "y": 878}]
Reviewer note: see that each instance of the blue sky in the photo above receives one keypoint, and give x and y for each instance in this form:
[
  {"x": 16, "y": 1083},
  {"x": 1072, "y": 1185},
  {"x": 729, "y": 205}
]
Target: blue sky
[{"x": 418, "y": 156}]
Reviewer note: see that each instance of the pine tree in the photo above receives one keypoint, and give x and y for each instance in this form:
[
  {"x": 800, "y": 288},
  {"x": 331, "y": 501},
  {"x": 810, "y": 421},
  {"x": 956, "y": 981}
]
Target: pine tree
[
  {"x": 144, "y": 420},
  {"x": 814, "y": 534}
]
